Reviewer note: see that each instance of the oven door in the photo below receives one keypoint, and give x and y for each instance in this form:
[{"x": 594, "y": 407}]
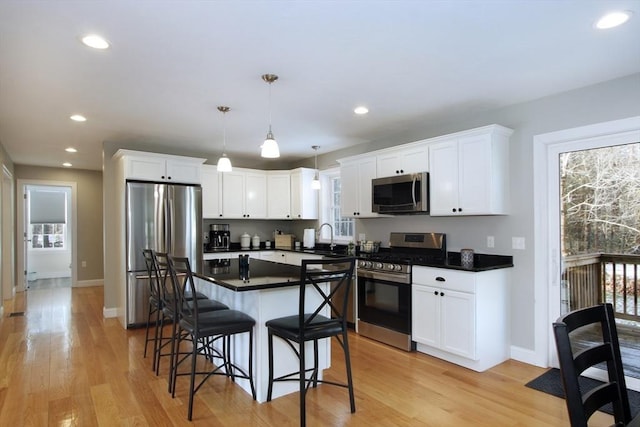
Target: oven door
[{"x": 385, "y": 303}]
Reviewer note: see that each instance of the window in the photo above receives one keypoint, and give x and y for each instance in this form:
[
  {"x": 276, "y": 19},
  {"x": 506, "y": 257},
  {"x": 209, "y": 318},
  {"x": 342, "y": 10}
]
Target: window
[
  {"x": 47, "y": 209},
  {"x": 48, "y": 235},
  {"x": 343, "y": 228}
]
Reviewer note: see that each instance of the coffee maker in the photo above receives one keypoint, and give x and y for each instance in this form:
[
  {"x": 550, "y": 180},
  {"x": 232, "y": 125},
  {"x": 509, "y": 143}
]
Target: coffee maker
[{"x": 219, "y": 237}]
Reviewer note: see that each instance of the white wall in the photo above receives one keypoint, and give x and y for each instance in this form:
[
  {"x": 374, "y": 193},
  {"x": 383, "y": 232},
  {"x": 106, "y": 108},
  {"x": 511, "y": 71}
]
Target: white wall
[{"x": 48, "y": 264}]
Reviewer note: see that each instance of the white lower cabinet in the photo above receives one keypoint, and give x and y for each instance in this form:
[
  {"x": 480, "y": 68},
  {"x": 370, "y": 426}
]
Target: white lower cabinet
[{"x": 461, "y": 316}]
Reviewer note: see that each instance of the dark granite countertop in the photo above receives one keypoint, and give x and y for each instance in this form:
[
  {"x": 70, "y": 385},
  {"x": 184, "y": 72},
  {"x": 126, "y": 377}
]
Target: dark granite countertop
[
  {"x": 262, "y": 274},
  {"x": 481, "y": 262},
  {"x": 320, "y": 249}
]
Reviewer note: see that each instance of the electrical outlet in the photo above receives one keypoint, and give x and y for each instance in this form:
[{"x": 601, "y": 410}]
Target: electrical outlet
[
  {"x": 84, "y": 264},
  {"x": 491, "y": 241},
  {"x": 517, "y": 243},
  {"x": 362, "y": 237}
]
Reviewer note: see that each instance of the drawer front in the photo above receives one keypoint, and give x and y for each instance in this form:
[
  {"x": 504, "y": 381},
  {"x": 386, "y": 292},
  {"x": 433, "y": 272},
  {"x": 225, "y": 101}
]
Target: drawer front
[{"x": 461, "y": 281}]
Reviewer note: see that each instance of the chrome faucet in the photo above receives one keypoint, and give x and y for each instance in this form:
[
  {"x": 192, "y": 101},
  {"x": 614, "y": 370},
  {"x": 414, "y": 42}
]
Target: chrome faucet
[{"x": 331, "y": 246}]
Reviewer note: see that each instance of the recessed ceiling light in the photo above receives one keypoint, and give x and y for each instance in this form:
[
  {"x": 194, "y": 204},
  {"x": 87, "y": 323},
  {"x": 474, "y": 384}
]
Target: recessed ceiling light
[
  {"x": 78, "y": 118},
  {"x": 361, "y": 110},
  {"x": 95, "y": 41},
  {"x": 67, "y": 164},
  {"x": 70, "y": 150},
  {"x": 613, "y": 19}
]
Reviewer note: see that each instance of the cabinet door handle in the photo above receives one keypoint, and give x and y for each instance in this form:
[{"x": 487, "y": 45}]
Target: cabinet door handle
[
  {"x": 453, "y": 210},
  {"x": 435, "y": 293},
  {"x": 440, "y": 279},
  {"x": 441, "y": 294},
  {"x": 162, "y": 177},
  {"x": 459, "y": 209}
]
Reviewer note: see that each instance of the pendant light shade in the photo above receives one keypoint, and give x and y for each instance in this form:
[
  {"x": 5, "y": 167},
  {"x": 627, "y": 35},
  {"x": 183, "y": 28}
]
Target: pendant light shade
[
  {"x": 270, "y": 149},
  {"x": 315, "y": 183},
  {"x": 224, "y": 163}
]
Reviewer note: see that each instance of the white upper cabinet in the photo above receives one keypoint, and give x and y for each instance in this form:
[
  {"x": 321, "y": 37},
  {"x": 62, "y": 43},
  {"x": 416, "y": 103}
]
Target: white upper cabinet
[
  {"x": 304, "y": 200},
  {"x": 256, "y": 194},
  {"x": 469, "y": 173},
  {"x": 279, "y": 195},
  {"x": 244, "y": 194},
  {"x": 211, "y": 192},
  {"x": 355, "y": 182},
  {"x": 405, "y": 160},
  {"x": 159, "y": 167}
]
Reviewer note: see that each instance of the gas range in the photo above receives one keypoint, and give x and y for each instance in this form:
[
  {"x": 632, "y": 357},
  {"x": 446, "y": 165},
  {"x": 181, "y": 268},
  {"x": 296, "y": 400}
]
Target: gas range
[
  {"x": 405, "y": 249},
  {"x": 384, "y": 286}
]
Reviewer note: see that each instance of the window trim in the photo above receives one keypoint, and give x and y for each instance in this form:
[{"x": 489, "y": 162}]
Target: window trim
[{"x": 324, "y": 208}]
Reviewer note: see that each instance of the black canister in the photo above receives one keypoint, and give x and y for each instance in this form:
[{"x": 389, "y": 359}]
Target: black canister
[{"x": 243, "y": 266}]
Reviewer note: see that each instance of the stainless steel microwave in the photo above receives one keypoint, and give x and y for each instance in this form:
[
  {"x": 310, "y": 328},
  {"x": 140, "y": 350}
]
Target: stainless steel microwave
[{"x": 401, "y": 194}]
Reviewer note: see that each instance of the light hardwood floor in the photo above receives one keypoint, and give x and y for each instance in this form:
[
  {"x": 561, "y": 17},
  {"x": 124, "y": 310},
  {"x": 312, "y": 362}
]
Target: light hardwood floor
[{"x": 62, "y": 364}]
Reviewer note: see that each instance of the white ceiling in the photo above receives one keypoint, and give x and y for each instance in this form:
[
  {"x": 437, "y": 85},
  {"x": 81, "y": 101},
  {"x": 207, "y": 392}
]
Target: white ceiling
[{"x": 172, "y": 62}]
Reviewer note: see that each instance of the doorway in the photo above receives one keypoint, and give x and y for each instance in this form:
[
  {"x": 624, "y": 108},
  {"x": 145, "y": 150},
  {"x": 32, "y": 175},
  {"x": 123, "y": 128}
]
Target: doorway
[
  {"x": 47, "y": 221},
  {"x": 548, "y": 255}
]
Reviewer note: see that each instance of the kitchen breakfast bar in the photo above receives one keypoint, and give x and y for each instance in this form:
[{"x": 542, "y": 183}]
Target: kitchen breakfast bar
[{"x": 271, "y": 290}]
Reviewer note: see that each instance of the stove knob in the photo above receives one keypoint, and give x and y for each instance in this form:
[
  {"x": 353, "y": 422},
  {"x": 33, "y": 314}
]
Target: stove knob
[
  {"x": 389, "y": 267},
  {"x": 377, "y": 265},
  {"x": 365, "y": 264}
]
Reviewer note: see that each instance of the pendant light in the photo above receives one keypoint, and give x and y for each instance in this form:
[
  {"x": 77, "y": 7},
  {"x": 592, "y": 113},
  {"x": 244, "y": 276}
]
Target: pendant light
[
  {"x": 224, "y": 164},
  {"x": 270, "y": 148},
  {"x": 315, "y": 183}
]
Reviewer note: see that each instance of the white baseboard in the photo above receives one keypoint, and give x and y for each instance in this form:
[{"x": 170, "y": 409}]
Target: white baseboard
[
  {"x": 49, "y": 275},
  {"x": 527, "y": 356},
  {"x": 109, "y": 313},
  {"x": 88, "y": 283}
]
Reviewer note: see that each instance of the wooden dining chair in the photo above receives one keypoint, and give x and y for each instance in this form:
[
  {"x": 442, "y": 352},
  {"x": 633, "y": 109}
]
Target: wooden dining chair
[{"x": 576, "y": 355}]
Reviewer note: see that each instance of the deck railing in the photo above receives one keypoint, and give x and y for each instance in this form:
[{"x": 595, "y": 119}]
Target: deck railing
[{"x": 594, "y": 278}]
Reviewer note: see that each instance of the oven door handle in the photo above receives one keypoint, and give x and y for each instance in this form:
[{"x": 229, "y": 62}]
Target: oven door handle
[{"x": 388, "y": 278}]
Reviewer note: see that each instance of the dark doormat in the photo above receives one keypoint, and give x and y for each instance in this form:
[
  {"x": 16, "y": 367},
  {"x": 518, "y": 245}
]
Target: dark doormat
[{"x": 550, "y": 382}]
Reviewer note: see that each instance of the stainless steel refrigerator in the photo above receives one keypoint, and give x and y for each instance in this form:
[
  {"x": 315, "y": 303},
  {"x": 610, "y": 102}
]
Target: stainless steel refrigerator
[{"x": 165, "y": 218}]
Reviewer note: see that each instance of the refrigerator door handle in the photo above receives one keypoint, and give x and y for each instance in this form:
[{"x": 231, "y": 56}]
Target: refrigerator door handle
[
  {"x": 161, "y": 217},
  {"x": 169, "y": 222}
]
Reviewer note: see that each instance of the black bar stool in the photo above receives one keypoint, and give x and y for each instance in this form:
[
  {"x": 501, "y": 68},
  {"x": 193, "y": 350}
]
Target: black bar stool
[
  {"x": 204, "y": 330},
  {"x": 170, "y": 303},
  {"x": 313, "y": 326}
]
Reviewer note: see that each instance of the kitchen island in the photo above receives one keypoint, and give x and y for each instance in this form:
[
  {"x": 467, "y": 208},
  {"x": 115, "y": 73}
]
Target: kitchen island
[{"x": 271, "y": 291}]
